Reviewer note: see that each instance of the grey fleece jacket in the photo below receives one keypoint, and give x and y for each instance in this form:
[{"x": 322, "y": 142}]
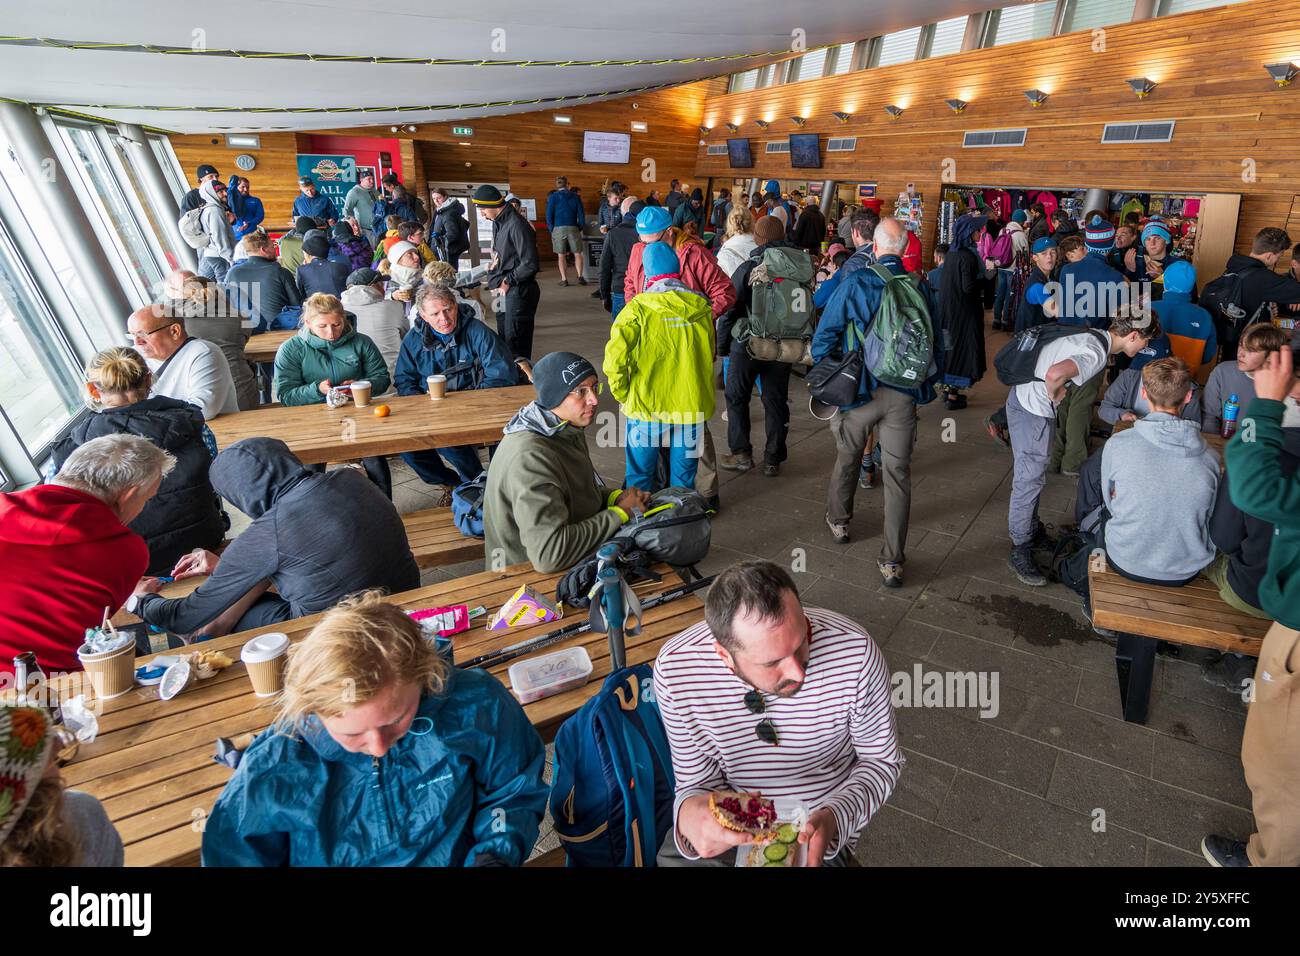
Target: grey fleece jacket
[
  {"x": 1125, "y": 395},
  {"x": 544, "y": 502},
  {"x": 1225, "y": 381},
  {"x": 1158, "y": 481},
  {"x": 221, "y": 238},
  {"x": 318, "y": 537}
]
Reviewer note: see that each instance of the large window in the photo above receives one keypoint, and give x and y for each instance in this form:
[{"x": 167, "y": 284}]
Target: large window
[
  {"x": 841, "y": 59},
  {"x": 166, "y": 156},
  {"x": 740, "y": 82},
  {"x": 1090, "y": 14},
  {"x": 132, "y": 239},
  {"x": 1033, "y": 21},
  {"x": 807, "y": 67},
  {"x": 1187, "y": 6},
  {"x": 947, "y": 37},
  {"x": 899, "y": 47}
]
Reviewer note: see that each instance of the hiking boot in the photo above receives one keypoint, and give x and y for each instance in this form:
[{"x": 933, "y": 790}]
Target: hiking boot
[
  {"x": 1022, "y": 562},
  {"x": 867, "y": 477},
  {"x": 441, "y": 496},
  {"x": 596, "y": 294},
  {"x": 739, "y": 462},
  {"x": 892, "y": 573},
  {"x": 840, "y": 532},
  {"x": 1224, "y": 851},
  {"x": 1102, "y": 631},
  {"x": 998, "y": 433},
  {"x": 581, "y": 281},
  {"x": 771, "y": 471},
  {"x": 1229, "y": 672},
  {"x": 563, "y": 283}
]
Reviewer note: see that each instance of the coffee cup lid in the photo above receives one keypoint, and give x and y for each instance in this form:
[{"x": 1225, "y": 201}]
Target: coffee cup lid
[
  {"x": 362, "y": 382},
  {"x": 265, "y": 647},
  {"x": 437, "y": 378}
]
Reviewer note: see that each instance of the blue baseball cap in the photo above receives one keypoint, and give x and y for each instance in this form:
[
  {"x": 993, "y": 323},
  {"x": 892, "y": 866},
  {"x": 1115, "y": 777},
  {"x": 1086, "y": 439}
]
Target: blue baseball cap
[
  {"x": 1043, "y": 243},
  {"x": 652, "y": 219}
]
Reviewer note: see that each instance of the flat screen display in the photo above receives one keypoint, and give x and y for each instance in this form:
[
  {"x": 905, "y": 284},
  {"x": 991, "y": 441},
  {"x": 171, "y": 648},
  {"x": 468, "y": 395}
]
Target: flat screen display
[
  {"x": 738, "y": 154},
  {"x": 606, "y": 147},
  {"x": 805, "y": 152}
]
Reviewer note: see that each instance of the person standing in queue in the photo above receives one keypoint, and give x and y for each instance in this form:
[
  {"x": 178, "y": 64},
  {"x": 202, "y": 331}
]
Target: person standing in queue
[{"x": 513, "y": 271}]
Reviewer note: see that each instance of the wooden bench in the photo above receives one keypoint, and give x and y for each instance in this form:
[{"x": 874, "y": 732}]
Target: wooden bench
[
  {"x": 434, "y": 538},
  {"x": 1142, "y": 614}
]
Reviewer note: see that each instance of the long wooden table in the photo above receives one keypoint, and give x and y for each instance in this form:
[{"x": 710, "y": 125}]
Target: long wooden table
[
  {"x": 262, "y": 348},
  {"x": 318, "y": 434},
  {"x": 152, "y": 766}
]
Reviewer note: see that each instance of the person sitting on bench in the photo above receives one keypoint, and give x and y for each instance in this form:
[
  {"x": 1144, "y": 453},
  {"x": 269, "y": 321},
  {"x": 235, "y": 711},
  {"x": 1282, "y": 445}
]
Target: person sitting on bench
[
  {"x": 382, "y": 754},
  {"x": 1158, "y": 484},
  {"x": 316, "y": 536}
]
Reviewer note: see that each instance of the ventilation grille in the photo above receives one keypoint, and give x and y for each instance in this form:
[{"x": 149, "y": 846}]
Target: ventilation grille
[
  {"x": 717, "y": 149},
  {"x": 842, "y": 144},
  {"x": 994, "y": 137},
  {"x": 1161, "y": 131},
  {"x": 777, "y": 146}
]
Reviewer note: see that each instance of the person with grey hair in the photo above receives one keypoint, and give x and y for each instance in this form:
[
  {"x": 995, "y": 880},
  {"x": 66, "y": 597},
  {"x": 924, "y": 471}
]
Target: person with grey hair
[
  {"x": 447, "y": 340},
  {"x": 888, "y": 410},
  {"x": 67, "y": 557},
  {"x": 767, "y": 695}
]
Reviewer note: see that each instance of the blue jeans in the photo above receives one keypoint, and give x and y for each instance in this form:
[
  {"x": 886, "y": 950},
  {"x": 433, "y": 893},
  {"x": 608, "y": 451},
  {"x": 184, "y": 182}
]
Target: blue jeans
[
  {"x": 616, "y": 303},
  {"x": 1002, "y": 317},
  {"x": 431, "y": 469},
  {"x": 645, "y": 439},
  {"x": 213, "y": 267}
]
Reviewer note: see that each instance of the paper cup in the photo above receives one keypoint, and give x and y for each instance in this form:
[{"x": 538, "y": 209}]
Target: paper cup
[
  {"x": 361, "y": 394},
  {"x": 264, "y": 658},
  {"x": 437, "y": 387},
  {"x": 112, "y": 674}
]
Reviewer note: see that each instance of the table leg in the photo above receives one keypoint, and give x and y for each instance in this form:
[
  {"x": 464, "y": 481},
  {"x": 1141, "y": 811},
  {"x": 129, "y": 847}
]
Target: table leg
[{"x": 1135, "y": 659}]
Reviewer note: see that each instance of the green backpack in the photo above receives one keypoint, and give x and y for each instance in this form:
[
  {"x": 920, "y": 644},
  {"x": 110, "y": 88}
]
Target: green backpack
[
  {"x": 782, "y": 294},
  {"x": 899, "y": 345}
]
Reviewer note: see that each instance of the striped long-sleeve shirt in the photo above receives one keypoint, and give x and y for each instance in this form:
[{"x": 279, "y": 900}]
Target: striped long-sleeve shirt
[{"x": 838, "y": 743}]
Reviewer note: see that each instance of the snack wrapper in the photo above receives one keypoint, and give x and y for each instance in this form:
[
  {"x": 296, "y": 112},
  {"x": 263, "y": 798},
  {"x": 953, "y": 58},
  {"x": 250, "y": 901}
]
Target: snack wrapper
[{"x": 524, "y": 607}]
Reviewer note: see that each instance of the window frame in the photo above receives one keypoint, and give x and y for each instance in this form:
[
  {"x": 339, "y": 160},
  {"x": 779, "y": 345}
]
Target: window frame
[{"x": 1067, "y": 9}]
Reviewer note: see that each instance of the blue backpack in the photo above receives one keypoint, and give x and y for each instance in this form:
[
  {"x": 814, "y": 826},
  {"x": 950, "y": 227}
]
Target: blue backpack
[
  {"x": 612, "y": 791},
  {"x": 467, "y": 506}
]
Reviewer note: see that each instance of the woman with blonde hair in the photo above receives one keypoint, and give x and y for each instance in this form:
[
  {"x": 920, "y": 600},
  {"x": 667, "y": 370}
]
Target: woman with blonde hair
[
  {"x": 41, "y": 824},
  {"x": 382, "y": 754},
  {"x": 185, "y": 513},
  {"x": 737, "y": 240}
]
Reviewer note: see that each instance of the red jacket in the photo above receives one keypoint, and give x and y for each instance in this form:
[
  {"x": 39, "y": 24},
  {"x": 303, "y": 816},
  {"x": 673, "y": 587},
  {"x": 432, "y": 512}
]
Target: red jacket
[
  {"x": 64, "y": 557},
  {"x": 700, "y": 271},
  {"x": 912, "y": 254}
]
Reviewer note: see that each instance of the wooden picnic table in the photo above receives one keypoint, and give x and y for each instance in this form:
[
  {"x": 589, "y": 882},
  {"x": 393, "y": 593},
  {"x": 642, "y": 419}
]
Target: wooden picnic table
[
  {"x": 262, "y": 347},
  {"x": 319, "y": 434},
  {"x": 1214, "y": 440},
  {"x": 151, "y": 765}
]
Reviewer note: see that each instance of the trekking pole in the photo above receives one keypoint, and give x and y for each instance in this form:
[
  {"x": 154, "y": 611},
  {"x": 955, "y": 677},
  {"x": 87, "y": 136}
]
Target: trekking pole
[
  {"x": 524, "y": 648},
  {"x": 612, "y": 608}
]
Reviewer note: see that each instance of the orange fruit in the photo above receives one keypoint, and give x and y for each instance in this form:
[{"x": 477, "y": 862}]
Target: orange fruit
[{"x": 382, "y": 411}]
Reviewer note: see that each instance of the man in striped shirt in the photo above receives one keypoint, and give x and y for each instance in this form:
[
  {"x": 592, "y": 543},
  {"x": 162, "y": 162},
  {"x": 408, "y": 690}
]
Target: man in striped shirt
[{"x": 765, "y": 696}]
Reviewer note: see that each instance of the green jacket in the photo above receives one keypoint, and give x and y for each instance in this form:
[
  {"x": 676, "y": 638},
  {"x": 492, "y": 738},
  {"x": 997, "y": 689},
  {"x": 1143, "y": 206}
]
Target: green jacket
[
  {"x": 1258, "y": 487},
  {"x": 543, "y": 502},
  {"x": 306, "y": 360},
  {"x": 291, "y": 252},
  {"x": 659, "y": 360}
]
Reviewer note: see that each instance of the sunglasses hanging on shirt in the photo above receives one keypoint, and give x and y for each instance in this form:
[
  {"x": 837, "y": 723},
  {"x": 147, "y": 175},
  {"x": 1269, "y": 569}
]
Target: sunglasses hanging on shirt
[{"x": 765, "y": 730}]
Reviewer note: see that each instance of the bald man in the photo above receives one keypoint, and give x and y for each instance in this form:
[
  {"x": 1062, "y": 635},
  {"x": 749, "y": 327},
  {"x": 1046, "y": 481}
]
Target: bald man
[{"x": 187, "y": 369}]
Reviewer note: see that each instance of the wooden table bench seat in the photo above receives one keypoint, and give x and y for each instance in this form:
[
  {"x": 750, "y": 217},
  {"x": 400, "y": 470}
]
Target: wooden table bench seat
[{"x": 1193, "y": 614}]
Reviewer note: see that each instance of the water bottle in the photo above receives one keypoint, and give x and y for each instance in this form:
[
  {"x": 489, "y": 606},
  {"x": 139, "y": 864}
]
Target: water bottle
[{"x": 1230, "y": 409}]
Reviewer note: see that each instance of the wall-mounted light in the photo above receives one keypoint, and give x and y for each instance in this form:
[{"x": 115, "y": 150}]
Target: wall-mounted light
[
  {"x": 704, "y": 130},
  {"x": 393, "y": 128},
  {"x": 894, "y": 111},
  {"x": 1141, "y": 86},
  {"x": 562, "y": 120},
  {"x": 762, "y": 124},
  {"x": 243, "y": 141},
  {"x": 464, "y": 144},
  {"x": 639, "y": 126},
  {"x": 1282, "y": 73},
  {"x": 798, "y": 120},
  {"x": 957, "y": 105},
  {"x": 410, "y": 129},
  {"x": 732, "y": 127},
  {"x": 1036, "y": 97},
  {"x": 842, "y": 116}
]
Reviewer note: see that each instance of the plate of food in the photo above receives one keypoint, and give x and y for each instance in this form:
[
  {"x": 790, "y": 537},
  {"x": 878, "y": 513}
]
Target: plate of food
[{"x": 774, "y": 825}]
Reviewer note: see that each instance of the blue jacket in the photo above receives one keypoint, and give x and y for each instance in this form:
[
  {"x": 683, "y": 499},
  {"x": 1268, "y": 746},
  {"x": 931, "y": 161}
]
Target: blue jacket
[
  {"x": 248, "y": 210},
  {"x": 473, "y": 356},
  {"x": 824, "y": 291},
  {"x": 1189, "y": 327},
  {"x": 856, "y": 300},
  {"x": 564, "y": 208},
  {"x": 323, "y": 275},
  {"x": 467, "y": 790},
  {"x": 1156, "y": 349},
  {"x": 319, "y": 206},
  {"x": 1090, "y": 292}
]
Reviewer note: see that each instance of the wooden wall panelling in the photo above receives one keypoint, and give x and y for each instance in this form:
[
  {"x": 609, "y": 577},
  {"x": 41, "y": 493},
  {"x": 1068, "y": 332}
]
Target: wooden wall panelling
[{"x": 274, "y": 179}]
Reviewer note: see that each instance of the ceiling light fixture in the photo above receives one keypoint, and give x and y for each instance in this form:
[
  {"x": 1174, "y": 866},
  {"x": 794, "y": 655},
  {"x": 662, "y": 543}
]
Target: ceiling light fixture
[
  {"x": 798, "y": 120},
  {"x": 1036, "y": 97},
  {"x": 1282, "y": 73},
  {"x": 957, "y": 105},
  {"x": 639, "y": 126},
  {"x": 894, "y": 111},
  {"x": 563, "y": 120},
  {"x": 1141, "y": 86},
  {"x": 842, "y": 116}
]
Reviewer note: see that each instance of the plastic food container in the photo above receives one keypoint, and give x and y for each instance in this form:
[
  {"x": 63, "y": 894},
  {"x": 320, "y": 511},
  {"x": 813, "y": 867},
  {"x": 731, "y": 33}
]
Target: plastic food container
[
  {"x": 549, "y": 674},
  {"x": 785, "y": 851}
]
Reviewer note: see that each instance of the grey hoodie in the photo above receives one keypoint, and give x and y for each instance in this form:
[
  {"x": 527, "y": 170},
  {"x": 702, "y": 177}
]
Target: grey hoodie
[
  {"x": 317, "y": 536},
  {"x": 1159, "y": 481},
  {"x": 383, "y": 320},
  {"x": 221, "y": 238},
  {"x": 1125, "y": 395}
]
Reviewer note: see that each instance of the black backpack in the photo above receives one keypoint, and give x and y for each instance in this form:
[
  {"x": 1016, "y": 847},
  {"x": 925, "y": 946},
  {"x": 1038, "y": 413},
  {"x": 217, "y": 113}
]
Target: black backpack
[
  {"x": 1017, "y": 361},
  {"x": 1222, "y": 299}
]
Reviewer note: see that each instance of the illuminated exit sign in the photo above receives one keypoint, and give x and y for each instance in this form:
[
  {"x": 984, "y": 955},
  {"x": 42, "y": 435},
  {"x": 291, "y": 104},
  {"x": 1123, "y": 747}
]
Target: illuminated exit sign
[{"x": 462, "y": 131}]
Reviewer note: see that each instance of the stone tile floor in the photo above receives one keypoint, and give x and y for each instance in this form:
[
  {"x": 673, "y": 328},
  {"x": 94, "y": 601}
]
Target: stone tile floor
[{"x": 1056, "y": 777}]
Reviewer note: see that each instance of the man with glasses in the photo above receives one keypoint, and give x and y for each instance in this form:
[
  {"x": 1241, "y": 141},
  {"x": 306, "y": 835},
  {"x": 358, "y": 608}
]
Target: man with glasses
[
  {"x": 544, "y": 502},
  {"x": 187, "y": 369},
  {"x": 768, "y": 696}
]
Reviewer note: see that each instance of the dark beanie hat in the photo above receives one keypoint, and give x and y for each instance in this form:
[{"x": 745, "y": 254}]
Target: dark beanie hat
[
  {"x": 557, "y": 374},
  {"x": 206, "y": 169},
  {"x": 364, "y": 276},
  {"x": 343, "y": 232},
  {"x": 489, "y": 197},
  {"x": 317, "y": 247},
  {"x": 303, "y": 225},
  {"x": 697, "y": 194}
]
